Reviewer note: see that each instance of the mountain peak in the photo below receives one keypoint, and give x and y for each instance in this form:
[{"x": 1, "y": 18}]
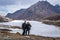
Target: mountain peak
[
  {"x": 37, "y": 11},
  {"x": 43, "y": 2}
]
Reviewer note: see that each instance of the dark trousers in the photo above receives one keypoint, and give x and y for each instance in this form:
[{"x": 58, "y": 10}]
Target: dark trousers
[
  {"x": 27, "y": 32},
  {"x": 24, "y": 32}
]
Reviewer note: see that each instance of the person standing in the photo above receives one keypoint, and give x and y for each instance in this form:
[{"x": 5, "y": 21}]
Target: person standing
[
  {"x": 28, "y": 27},
  {"x": 24, "y": 28}
]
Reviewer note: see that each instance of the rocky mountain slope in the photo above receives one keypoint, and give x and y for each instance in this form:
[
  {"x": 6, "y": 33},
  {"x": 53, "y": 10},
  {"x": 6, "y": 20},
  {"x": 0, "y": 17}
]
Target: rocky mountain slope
[
  {"x": 55, "y": 18},
  {"x": 37, "y": 11},
  {"x": 16, "y": 14},
  {"x": 4, "y": 19},
  {"x": 58, "y": 8}
]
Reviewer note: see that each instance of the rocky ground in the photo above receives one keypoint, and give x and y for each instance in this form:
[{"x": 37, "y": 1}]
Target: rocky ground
[
  {"x": 18, "y": 36},
  {"x": 52, "y": 22}
]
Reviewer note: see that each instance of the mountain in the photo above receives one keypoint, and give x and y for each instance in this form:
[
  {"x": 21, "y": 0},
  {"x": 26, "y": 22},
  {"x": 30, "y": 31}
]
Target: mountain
[
  {"x": 58, "y": 8},
  {"x": 37, "y": 11},
  {"x": 15, "y": 14}
]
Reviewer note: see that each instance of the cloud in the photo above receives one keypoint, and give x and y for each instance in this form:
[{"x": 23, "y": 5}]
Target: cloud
[
  {"x": 7, "y": 2},
  {"x": 2, "y": 13},
  {"x": 54, "y": 2},
  {"x": 23, "y": 2},
  {"x": 13, "y": 8},
  {"x": 15, "y": 2}
]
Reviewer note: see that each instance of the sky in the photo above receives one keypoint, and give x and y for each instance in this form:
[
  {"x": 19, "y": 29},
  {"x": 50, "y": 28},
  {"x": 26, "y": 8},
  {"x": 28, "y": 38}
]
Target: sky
[{"x": 10, "y": 6}]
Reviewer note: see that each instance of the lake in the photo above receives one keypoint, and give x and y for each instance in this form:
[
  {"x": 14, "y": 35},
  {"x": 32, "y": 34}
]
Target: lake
[{"x": 38, "y": 28}]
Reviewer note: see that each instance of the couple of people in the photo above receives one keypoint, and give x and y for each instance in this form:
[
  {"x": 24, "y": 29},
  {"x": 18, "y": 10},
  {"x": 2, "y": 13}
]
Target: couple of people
[{"x": 26, "y": 28}]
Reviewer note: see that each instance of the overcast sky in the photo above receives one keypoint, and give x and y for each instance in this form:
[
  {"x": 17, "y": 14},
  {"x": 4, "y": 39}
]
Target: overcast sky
[{"x": 10, "y": 6}]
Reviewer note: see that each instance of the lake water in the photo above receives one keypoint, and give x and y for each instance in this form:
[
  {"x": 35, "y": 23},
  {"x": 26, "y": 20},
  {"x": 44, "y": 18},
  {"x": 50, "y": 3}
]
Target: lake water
[{"x": 38, "y": 28}]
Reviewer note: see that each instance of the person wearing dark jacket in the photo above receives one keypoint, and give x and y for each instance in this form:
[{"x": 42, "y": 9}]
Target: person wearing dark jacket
[
  {"x": 28, "y": 27},
  {"x": 24, "y": 28}
]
